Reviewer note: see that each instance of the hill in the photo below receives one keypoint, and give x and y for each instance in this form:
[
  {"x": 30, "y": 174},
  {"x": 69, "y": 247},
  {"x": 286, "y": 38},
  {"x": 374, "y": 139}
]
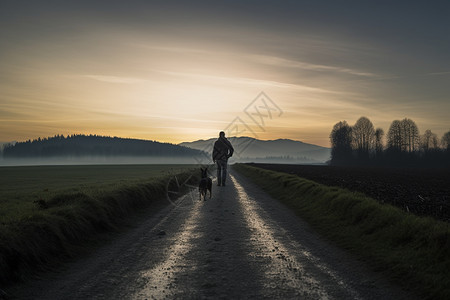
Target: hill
[
  {"x": 249, "y": 149},
  {"x": 96, "y": 148}
]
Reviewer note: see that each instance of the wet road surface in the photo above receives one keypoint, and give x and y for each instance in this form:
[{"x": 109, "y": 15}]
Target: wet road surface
[{"x": 241, "y": 244}]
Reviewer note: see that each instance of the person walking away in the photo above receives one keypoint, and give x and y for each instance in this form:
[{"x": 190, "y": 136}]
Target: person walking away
[{"x": 222, "y": 151}]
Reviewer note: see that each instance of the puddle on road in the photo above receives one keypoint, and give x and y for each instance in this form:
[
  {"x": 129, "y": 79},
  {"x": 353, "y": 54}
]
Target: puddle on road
[
  {"x": 284, "y": 272},
  {"x": 161, "y": 279}
]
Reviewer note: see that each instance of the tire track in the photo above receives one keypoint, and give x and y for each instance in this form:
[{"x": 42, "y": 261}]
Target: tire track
[{"x": 292, "y": 271}]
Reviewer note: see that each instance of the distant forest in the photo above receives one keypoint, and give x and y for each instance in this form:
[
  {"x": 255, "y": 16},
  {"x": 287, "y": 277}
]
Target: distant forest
[
  {"x": 403, "y": 145},
  {"x": 93, "y": 145}
]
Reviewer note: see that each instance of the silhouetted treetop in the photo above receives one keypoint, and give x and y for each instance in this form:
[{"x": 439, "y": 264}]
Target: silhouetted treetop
[
  {"x": 361, "y": 144},
  {"x": 363, "y": 136},
  {"x": 94, "y": 145},
  {"x": 341, "y": 143},
  {"x": 445, "y": 141}
]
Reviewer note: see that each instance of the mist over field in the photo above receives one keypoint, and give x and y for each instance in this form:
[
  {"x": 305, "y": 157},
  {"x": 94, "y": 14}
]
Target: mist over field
[
  {"x": 96, "y": 160},
  {"x": 91, "y": 149},
  {"x": 87, "y": 150},
  {"x": 3, "y": 144}
]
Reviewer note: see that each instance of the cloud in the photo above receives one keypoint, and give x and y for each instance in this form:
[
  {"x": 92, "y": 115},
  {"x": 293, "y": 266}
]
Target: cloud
[
  {"x": 265, "y": 59},
  {"x": 282, "y": 62},
  {"x": 438, "y": 73},
  {"x": 251, "y": 81},
  {"x": 116, "y": 79}
]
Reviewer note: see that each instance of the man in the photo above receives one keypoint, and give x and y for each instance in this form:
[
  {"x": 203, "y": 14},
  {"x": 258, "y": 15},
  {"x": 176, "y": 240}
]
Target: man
[{"x": 222, "y": 151}]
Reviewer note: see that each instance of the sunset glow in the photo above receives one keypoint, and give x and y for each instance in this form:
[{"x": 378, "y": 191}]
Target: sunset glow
[{"x": 183, "y": 72}]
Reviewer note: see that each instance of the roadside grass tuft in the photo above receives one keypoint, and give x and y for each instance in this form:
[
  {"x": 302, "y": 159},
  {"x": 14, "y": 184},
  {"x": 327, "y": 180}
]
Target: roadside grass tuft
[{"x": 412, "y": 251}]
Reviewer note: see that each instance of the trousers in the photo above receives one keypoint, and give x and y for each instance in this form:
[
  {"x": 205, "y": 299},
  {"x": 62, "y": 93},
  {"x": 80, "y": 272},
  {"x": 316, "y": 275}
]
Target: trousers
[{"x": 221, "y": 171}]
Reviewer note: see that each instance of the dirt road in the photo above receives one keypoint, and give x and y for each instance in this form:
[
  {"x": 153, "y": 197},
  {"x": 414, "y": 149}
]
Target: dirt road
[{"x": 240, "y": 244}]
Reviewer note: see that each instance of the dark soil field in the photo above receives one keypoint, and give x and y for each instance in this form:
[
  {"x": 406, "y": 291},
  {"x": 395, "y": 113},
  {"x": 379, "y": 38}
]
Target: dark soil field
[{"x": 425, "y": 192}]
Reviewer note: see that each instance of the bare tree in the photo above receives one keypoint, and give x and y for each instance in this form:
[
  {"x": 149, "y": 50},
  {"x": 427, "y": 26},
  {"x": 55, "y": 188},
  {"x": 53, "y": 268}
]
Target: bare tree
[
  {"x": 379, "y": 134},
  {"x": 341, "y": 143},
  {"x": 410, "y": 135},
  {"x": 403, "y": 135},
  {"x": 445, "y": 141},
  {"x": 394, "y": 137},
  {"x": 428, "y": 141},
  {"x": 363, "y": 134}
]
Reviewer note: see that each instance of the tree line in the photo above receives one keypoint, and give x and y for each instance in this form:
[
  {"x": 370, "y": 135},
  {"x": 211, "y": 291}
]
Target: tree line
[
  {"x": 93, "y": 145},
  {"x": 403, "y": 145}
]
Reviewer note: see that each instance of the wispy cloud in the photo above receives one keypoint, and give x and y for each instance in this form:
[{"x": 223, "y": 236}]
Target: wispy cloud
[
  {"x": 266, "y": 60},
  {"x": 287, "y": 63},
  {"x": 417, "y": 75},
  {"x": 251, "y": 81},
  {"x": 116, "y": 79},
  {"x": 183, "y": 50},
  {"x": 438, "y": 73}
]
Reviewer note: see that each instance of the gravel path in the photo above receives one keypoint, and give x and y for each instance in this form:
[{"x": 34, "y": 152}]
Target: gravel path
[{"x": 240, "y": 244}]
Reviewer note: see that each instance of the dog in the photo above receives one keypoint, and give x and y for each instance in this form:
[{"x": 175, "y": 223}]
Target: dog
[{"x": 205, "y": 184}]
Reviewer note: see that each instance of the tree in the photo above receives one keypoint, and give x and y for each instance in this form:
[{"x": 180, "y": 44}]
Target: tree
[
  {"x": 428, "y": 141},
  {"x": 341, "y": 143},
  {"x": 394, "y": 137},
  {"x": 445, "y": 141},
  {"x": 403, "y": 136},
  {"x": 363, "y": 134},
  {"x": 379, "y": 134},
  {"x": 410, "y": 135}
]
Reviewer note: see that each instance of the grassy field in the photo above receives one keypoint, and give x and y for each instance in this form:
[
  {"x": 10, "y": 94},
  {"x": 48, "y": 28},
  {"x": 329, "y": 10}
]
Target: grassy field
[
  {"x": 48, "y": 211},
  {"x": 411, "y": 250},
  {"x": 20, "y": 186}
]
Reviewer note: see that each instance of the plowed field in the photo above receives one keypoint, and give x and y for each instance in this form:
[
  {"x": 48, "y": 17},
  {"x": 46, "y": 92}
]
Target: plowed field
[{"x": 425, "y": 192}]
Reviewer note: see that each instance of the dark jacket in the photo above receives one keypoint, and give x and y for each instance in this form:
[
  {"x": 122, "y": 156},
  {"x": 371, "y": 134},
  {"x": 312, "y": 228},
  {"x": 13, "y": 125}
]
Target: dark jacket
[{"x": 222, "y": 149}]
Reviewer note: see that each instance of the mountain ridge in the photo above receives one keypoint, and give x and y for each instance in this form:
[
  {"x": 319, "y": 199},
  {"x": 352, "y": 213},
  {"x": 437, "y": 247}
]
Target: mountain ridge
[{"x": 279, "y": 150}]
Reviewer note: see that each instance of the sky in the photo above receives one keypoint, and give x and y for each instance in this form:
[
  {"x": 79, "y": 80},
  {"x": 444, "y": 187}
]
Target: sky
[{"x": 176, "y": 71}]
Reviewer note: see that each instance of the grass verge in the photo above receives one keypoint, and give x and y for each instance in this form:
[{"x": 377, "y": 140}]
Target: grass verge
[
  {"x": 413, "y": 251},
  {"x": 58, "y": 226}
]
